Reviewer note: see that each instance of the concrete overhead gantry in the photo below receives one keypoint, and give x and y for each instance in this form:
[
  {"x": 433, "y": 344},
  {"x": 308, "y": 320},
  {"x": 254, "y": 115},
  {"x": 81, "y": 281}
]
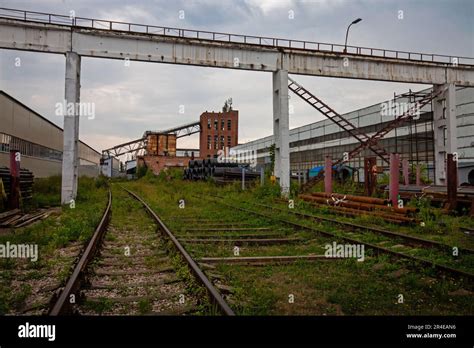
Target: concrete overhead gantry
[{"x": 86, "y": 37}]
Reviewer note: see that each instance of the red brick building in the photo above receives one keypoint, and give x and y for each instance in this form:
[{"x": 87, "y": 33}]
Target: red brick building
[
  {"x": 157, "y": 163},
  {"x": 218, "y": 131}
]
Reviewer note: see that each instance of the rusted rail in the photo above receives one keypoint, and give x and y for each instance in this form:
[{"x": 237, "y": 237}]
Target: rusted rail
[
  {"x": 425, "y": 263},
  {"x": 63, "y": 303},
  {"x": 265, "y": 260},
  {"x": 213, "y": 293},
  {"x": 242, "y": 241},
  {"x": 411, "y": 240}
]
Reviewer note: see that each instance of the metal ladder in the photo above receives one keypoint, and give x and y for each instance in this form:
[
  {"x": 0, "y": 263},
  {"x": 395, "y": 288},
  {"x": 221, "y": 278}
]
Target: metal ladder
[
  {"x": 408, "y": 115},
  {"x": 370, "y": 141},
  {"x": 327, "y": 111}
]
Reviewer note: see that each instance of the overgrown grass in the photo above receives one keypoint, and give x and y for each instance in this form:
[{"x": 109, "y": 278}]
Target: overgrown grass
[
  {"x": 74, "y": 223},
  {"x": 326, "y": 287},
  {"x": 70, "y": 224}
]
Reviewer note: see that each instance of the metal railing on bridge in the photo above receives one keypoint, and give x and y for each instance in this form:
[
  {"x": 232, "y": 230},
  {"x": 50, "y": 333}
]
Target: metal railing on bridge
[{"x": 92, "y": 23}]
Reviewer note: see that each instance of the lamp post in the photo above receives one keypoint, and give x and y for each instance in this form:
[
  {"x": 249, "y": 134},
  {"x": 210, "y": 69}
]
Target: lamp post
[{"x": 347, "y": 32}]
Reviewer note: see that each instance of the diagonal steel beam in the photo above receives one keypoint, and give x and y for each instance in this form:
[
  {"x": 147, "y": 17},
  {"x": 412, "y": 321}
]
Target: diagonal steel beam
[
  {"x": 335, "y": 117},
  {"x": 397, "y": 122}
]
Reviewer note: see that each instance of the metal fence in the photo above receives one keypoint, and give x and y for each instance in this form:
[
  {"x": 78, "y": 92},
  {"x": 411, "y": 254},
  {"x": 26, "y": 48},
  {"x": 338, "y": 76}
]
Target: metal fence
[{"x": 93, "y": 23}]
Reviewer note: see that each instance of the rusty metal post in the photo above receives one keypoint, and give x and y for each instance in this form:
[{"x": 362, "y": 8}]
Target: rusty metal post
[
  {"x": 394, "y": 178},
  {"x": 452, "y": 176},
  {"x": 405, "y": 169},
  {"x": 328, "y": 175},
  {"x": 418, "y": 175},
  {"x": 367, "y": 176},
  {"x": 14, "y": 199},
  {"x": 370, "y": 175}
]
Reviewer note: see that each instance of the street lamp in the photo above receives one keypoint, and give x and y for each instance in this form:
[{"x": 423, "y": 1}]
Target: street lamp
[{"x": 347, "y": 32}]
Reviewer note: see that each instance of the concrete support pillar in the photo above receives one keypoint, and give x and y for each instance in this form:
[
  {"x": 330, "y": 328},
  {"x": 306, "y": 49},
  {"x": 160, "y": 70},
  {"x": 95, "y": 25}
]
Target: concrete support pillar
[
  {"x": 445, "y": 129},
  {"x": 71, "y": 129},
  {"x": 452, "y": 181},
  {"x": 14, "y": 198},
  {"x": 394, "y": 178},
  {"x": 281, "y": 129},
  {"x": 328, "y": 174}
]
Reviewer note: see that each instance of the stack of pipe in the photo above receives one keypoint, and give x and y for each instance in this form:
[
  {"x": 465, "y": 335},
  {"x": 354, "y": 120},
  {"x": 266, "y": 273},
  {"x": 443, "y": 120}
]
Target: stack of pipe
[
  {"x": 220, "y": 171},
  {"x": 26, "y": 182},
  {"x": 465, "y": 194},
  {"x": 361, "y": 205}
]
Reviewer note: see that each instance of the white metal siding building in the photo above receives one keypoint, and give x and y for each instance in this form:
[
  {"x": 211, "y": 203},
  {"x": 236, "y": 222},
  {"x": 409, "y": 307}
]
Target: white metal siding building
[
  {"x": 39, "y": 141},
  {"x": 310, "y": 144}
]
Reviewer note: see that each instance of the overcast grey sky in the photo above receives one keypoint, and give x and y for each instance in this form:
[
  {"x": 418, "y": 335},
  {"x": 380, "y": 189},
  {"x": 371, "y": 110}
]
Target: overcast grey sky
[{"x": 130, "y": 100}]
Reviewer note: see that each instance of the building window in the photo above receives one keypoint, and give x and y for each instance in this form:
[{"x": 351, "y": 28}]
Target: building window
[
  {"x": 209, "y": 142},
  {"x": 216, "y": 142},
  {"x": 216, "y": 124},
  {"x": 208, "y": 123},
  {"x": 222, "y": 124},
  {"x": 222, "y": 142},
  {"x": 229, "y": 142},
  {"x": 229, "y": 124},
  {"x": 26, "y": 148}
]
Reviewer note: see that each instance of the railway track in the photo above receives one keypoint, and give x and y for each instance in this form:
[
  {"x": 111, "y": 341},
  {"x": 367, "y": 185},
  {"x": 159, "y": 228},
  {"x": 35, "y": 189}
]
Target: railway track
[
  {"x": 410, "y": 240},
  {"x": 260, "y": 276},
  {"x": 129, "y": 268},
  {"x": 380, "y": 241}
]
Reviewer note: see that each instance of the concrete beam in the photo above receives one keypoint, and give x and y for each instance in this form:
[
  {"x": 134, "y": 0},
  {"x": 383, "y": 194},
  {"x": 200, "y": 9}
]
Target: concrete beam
[
  {"x": 281, "y": 129},
  {"x": 71, "y": 129},
  {"x": 53, "y": 38}
]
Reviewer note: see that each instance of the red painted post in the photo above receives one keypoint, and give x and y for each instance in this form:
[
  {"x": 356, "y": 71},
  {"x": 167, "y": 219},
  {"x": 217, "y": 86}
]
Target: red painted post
[
  {"x": 394, "y": 177},
  {"x": 452, "y": 176},
  {"x": 328, "y": 175},
  {"x": 418, "y": 175},
  {"x": 370, "y": 175},
  {"x": 14, "y": 199},
  {"x": 405, "y": 168}
]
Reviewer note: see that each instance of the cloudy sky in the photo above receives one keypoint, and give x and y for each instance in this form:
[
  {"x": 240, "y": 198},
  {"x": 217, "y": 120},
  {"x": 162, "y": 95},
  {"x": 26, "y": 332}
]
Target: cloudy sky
[{"x": 143, "y": 96}]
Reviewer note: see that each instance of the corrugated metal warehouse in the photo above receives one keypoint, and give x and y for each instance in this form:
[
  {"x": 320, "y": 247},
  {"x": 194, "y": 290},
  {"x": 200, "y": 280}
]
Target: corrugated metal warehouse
[
  {"x": 39, "y": 141},
  {"x": 310, "y": 144}
]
